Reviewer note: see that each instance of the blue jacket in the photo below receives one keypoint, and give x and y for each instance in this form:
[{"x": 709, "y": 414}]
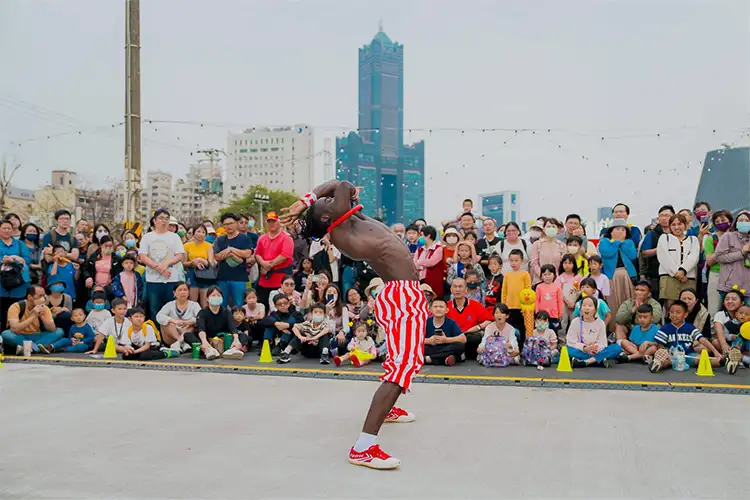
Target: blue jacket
[
  {"x": 119, "y": 292},
  {"x": 608, "y": 250},
  {"x": 20, "y": 250}
]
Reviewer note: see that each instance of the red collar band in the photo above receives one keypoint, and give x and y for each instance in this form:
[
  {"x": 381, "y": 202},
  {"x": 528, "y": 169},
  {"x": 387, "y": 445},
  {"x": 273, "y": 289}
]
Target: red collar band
[{"x": 341, "y": 219}]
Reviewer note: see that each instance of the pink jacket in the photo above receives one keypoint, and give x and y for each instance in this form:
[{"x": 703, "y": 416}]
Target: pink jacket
[
  {"x": 425, "y": 258},
  {"x": 544, "y": 251}
]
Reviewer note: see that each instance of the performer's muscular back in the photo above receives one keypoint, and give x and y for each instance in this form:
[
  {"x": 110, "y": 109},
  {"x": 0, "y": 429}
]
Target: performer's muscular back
[{"x": 361, "y": 237}]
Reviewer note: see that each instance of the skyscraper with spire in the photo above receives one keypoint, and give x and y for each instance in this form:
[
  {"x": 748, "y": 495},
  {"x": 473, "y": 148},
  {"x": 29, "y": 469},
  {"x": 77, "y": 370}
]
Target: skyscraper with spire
[{"x": 374, "y": 157}]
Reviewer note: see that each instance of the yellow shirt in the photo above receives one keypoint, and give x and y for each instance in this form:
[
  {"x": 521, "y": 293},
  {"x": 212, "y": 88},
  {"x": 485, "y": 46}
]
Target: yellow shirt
[
  {"x": 513, "y": 283},
  {"x": 583, "y": 265},
  {"x": 195, "y": 250},
  {"x": 36, "y": 325}
]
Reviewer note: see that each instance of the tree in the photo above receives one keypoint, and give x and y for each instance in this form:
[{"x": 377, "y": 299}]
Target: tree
[
  {"x": 247, "y": 205},
  {"x": 5, "y": 179}
]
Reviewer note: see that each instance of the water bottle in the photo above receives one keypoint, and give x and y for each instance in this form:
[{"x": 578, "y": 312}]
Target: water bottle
[{"x": 678, "y": 358}]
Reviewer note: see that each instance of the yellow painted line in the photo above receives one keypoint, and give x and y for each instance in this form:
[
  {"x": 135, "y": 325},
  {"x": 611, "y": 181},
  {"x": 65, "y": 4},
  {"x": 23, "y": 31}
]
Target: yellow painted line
[
  {"x": 717, "y": 386},
  {"x": 481, "y": 377},
  {"x": 610, "y": 382}
]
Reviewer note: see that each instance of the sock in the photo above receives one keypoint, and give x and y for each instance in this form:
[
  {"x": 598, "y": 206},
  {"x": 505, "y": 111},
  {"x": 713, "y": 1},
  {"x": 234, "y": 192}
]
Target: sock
[
  {"x": 746, "y": 359},
  {"x": 365, "y": 441}
]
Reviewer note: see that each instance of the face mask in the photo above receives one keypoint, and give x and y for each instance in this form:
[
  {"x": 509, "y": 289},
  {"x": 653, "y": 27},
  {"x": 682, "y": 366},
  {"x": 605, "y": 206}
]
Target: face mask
[
  {"x": 330, "y": 298},
  {"x": 701, "y": 214},
  {"x": 723, "y": 226},
  {"x": 120, "y": 253},
  {"x": 106, "y": 252},
  {"x": 551, "y": 232},
  {"x": 535, "y": 234},
  {"x": 210, "y": 238},
  {"x": 181, "y": 233},
  {"x": 743, "y": 226},
  {"x": 573, "y": 249},
  {"x": 98, "y": 307},
  {"x": 57, "y": 288},
  {"x": 542, "y": 326},
  {"x": 421, "y": 240},
  {"x": 472, "y": 286},
  {"x": 101, "y": 233},
  {"x": 250, "y": 224},
  {"x": 451, "y": 241},
  {"x": 374, "y": 293},
  {"x": 501, "y": 236},
  {"x": 215, "y": 301},
  {"x": 130, "y": 243},
  {"x": 32, "y": 237},
  {"x": 317, "y": 318}
]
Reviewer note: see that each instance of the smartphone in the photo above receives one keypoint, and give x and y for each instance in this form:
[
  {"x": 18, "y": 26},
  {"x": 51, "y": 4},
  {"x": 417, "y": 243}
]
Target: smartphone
[
  {"x": 315, "y": 278},
  {"x": 439, "y": 331},
  {"x": 704, "y": 220}
]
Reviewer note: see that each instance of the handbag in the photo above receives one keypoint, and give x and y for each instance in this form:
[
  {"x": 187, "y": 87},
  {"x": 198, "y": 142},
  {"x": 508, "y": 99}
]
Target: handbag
[{"x": 206, "y": 275}]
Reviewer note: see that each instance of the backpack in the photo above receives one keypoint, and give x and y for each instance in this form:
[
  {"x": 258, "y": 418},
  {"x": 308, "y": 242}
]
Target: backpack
[
  {"x": 523, "y": 242},
  {"x": 11, "y": 274},
  {"x": 536, "y": 351},
  {"x": 495, "y": 352},
  {"x": 143, "y": 329}
]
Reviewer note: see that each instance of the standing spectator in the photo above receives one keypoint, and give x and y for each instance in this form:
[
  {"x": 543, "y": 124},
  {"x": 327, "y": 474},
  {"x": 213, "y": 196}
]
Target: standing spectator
[
  {"x": 326, "y": 257},
  {"x": 31, "y": 237},
  {"x": 465, "y": 260},
  {"x": 199, "y": 257},
  {"x": 678, "y": 256},
  {"x": 15, "y": 259},
  {"x": 619, "y": 257},
  {"x": 242, "y": 227},
  {"x": 301, "y": 249},
  {"x": 722, "y": 221},
  {"x": 64, "y": 271},
  {"x": 29, "y": 319},
  {"x": 429, "y": 260},
  {"x": 60, "y": 235},
  {"x": 513, "y": 241},
  {"x": 252, "y": 231},
  {"x": 650, "y": 264},
  {"x": 102, "y": 266},
  {"x": 412, "y": 239},
  {"x": 733, "y": 253},
  {"x": 274, "y": 256},
  {"x": 622, "y": 211},
  {"x": 444, "y": 341},
  {"x": 450, "y": 242},
  {"x": 467, "y": 224},
  {"x": 304, "y": 271},
  {"x": 573, "y": 227},
  {"x": 130, "y": 240},
  {"x": 471, "y": 316},
  {"x": 546, "y": 250},
  {"x": 162, "y": 253},
  {"x": 100, "y": 231},
  {"x": 230, "y": 251},
  {"x": 399, "y": 230},
  {"x": 15, "y": 220},
  {"x": 487, "y": 245}
]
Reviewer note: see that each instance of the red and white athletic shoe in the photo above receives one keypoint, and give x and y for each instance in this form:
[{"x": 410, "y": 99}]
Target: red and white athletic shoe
[
  {"x": 374, "y": 458},
  {"x": 399, "y": 416}
]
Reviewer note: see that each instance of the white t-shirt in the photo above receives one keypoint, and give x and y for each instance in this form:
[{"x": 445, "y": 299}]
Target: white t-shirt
[
  {"x": 506, "y": 248},
  {"x": 138, "y": 339},
  {"x": 160, "y": 248},
  {"x": 97, "y": 318},
  {"x": 117, "y": 330}
]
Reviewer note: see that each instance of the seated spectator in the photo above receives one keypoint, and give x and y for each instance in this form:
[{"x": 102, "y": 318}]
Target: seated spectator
[
  {"x": 287, "y": 288},
  {"x": 128, "y": 284},
  {"x": 361, "y": 349},
  {"x": 429, "y": 260},
  {"x": 315, "y": 290},
  {"x": 474, "y": 285},
  {"x": 254, "y": 314},
  {"x": 100, "y": 308},
  {"x": 588, "y": 289},
  {"x": 626, "y": 316},
  {"x": 244, "y": 331},
  {"x": 30, "y": 319},
  {"x": 338, "y": 318},
  {"x": 62, "y": 270},
  {"x": 213, "y": 321},
  {"x": 678, "y": 256},
  {"x": 358, "y": 309},
  {"x": 641, "y": 344},
  {"x": 444, "y": 342},
  {"x": 412, "y": 239},
  {"x": 587, "y": 337},
  {"x": 499, "y": 346},
  {"x": 739, "y": 351},
  {"x": 31, "y": 237},
  {"x": 680, "y": 335},
  {"x": 278, "y": 324},
  {"x": 80, "y": 336},
  {"x": 726, "y": 325},
  {"x": 541, "y": 347},
  {"x": 60, "y": 303},
  {"x": 493, "y": 287},
  {"x": 595, "y": 273},
  {"x": 311, "y": 338},
  {"x": 471, "y": 316},
  {"x": 697, "y": 313},
  {"x": 732, "y": 253},
  {"x": 304, "y": 271},
  {"x": 515, "y": 281},
  {"x": 177, "y": 318},
  {"x": 142, "y": 342},
  {"x": 549, "y": 297},
  {"x": 117, "y": 326},
  {"x": 465, "y": 259}
]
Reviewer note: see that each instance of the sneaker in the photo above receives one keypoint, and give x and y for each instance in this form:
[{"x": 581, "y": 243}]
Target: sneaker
[
  {"x": 355, "y": 361},
  {"x": 45, "y": 348},
  {"x": 233, "y": 354},
  {"x": 19, "y": 350},
  {"x": 325, "y": 357},
  {"x": 606, "y": 363},
  {"x": 170, "y": 353},
  {"x": 734, "y": 358},
  {"x": 450, "y": 360},
  {"x": 577, "y": 363},
  {"x": 623, "y": 358},
  {"x": 399, "y": 416},
  {"x": 212, "y": 354},
  {"x": 374, "y": 458},
  {"x": 611, "y": 338},
  {"x": 276, "y": 351},
  {"x": 337, "y": 361},
  {"x": 284, "y": 358},
  {"x": 177, "y": 346}
]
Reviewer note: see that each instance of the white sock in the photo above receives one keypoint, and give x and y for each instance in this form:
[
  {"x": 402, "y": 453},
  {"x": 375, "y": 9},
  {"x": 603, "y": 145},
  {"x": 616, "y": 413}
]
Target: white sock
[
  {"x": 746, "y": 360},
  {"x": 365, "y": 441}
]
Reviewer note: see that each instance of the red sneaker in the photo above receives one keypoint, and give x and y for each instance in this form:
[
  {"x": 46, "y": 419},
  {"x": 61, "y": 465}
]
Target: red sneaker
[
  {"x": 355, "y": 360},
  {"x": 399, "y": 416},
  {"x": 374, "y": 458},
  {"x": 337, "y": 361}
]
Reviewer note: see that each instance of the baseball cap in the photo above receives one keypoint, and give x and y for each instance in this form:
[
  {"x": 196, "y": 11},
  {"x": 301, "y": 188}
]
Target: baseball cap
[{"x": 272, "y": 216}]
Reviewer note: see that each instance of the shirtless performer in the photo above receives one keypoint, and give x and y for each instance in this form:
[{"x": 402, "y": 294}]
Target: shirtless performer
[{"x": 400, "y": 305}]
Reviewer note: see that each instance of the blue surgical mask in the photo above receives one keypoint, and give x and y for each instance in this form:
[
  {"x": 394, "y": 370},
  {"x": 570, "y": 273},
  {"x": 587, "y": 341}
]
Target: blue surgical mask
[
  {"x": 120, "y": 253},
  {"x": 318, "y": 318},
  {"x": 542, "y": 325},
  {"x": 215, "y": 301},
  {"x": 210, "y": 238},
  {"x": 374, "y": 293},
  {"x": 32, "y": 237},
  {"x": 57, "y": 288},
  {"x": 472, "y": 286},
  {"x": 129, "y": 243},
  {"x": 98, "y": 307},
  {"x": 743, "y": 226},
  {"x": 250, "y": 224}
]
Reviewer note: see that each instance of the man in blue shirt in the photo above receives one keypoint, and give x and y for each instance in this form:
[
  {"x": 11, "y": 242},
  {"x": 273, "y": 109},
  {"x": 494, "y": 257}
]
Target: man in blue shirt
[
  {"x": 444, "y": 341},
  {"x": 231, "y": 250}
]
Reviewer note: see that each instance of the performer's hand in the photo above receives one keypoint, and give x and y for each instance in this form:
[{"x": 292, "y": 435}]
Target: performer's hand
[{"x": 290, "y": 214}]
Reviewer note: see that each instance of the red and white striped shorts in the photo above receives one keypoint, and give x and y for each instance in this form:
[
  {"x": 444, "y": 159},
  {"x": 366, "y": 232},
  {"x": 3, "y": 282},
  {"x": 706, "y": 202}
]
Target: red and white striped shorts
[{"x": 401, "y": 310}]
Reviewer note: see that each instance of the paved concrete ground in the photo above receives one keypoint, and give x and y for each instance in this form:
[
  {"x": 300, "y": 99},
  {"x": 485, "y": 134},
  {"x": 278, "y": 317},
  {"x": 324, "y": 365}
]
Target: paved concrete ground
[{"x": 106, "y": 433}]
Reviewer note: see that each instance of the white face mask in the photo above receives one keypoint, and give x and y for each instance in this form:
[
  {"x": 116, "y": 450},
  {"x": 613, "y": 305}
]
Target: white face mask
[
  {"x": 317, "y": 318},
  {"x": 573, "y": 249},
  {"x": 101, "y": 233},
  {"x": 551, "y": 232}
]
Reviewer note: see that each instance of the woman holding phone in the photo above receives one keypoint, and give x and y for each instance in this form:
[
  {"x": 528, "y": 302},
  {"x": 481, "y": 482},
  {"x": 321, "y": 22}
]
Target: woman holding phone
[{"x": 315, "y": 290}]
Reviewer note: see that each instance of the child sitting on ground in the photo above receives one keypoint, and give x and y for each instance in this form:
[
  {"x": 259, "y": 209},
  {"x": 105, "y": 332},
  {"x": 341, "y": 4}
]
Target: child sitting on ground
[
  {"x": 499, "y": 346},
  {"x": 99, "y": 314},
  {"x": 60, "y": 303},
  {"x": 541, "y": 347},
  {"x": 312, "y": 338},
  {"x": 254, "y": 313},
  {"x": 641, "y": 344},
  {"x": 117, "y": 325},
  {"x": 142, "y": 340},
  {"x": 90, "y": 303},
  {"x": 243, "y": 327},
  {"x": 680, "y": 335},
  {"x": 80, "y": 336},
  {"x": 740, "y": 346},
  {"x": 589, "y": 289},
  {"x": 362, "y": 348}
]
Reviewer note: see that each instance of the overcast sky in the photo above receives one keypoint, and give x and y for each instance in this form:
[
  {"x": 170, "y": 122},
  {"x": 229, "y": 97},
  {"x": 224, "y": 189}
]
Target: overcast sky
[{"x": 622, "y": 70}]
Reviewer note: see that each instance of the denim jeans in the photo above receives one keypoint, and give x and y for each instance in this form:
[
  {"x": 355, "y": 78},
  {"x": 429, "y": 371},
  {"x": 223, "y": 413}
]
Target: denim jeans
[
  {"x": 347, "y": 279},
  {"x": 11, "y": 340},
  {"x": 234, "y": 290},
  {"x": 610, "y": 352},
  {"x": 157, "y": 295},
  {"x": 66, "y": 345}
]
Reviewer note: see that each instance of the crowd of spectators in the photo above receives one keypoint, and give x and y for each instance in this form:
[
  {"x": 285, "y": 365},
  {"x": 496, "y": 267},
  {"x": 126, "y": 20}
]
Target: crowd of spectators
[{"x": 664, "y": 292}]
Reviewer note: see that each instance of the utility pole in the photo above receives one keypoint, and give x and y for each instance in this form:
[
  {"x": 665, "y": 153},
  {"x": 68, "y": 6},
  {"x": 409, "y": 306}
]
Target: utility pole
[
  {"x": 132, "y": 195},
  {"x": 262, "y": 199}
]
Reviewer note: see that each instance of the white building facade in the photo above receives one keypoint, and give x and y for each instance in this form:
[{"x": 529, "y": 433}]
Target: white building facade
[
  {"x": 156, "y": 194},
  {"x": 199, "y": 195},
  {"x": 278, "y": 158}
]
